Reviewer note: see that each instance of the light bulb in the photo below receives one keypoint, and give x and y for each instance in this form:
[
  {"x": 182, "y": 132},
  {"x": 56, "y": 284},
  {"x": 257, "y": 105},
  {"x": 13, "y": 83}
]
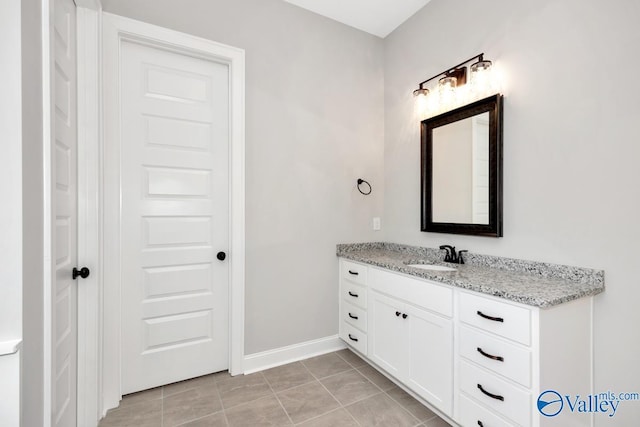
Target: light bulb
[
  {"x": 421, "y": 105},
  {"x": 447, "y": 89}
]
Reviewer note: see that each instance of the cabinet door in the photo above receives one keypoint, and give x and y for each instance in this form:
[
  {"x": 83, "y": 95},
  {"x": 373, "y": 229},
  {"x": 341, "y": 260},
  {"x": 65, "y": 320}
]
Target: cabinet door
[
  {"x": 388, "y": 334},
  {"x": 430, "y": 349}
]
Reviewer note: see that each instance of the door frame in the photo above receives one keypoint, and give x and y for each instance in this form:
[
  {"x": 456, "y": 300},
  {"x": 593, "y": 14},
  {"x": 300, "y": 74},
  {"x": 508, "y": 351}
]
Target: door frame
[{"x": 99, "y": 36}]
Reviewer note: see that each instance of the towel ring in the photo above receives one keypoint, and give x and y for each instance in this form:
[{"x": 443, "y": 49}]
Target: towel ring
[{"x": 360, "y": 182}]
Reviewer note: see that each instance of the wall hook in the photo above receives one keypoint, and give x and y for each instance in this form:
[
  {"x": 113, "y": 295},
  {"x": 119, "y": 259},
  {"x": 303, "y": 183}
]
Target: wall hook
[{"x": 362, "y": 181}]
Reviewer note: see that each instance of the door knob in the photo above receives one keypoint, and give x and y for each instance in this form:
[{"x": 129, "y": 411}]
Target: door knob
[
  {"x": 83, "y": 272},
  {"x": 221, "y": 256}
]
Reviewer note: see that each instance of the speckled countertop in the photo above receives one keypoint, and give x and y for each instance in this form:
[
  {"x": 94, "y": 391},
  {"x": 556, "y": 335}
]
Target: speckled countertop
[{"x": 527, "y": 282}]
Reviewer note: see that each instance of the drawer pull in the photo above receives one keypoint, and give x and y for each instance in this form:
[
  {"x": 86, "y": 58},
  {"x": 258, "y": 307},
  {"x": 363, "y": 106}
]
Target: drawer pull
[
  {"x": 491, "y": 395},
  {"x": 353, "y": 295},
  {"x": 398, "y": 314},
  {"x": 480, "y": 423},
  {"x": 352, "y": 338},
  {"x": 405, "y": 315},
  {"x": 353, "y": 317},
  {"x": 490, "y": 356},
  {"x": 355, "y": 273},
  {"x": 484, "y": 316}
]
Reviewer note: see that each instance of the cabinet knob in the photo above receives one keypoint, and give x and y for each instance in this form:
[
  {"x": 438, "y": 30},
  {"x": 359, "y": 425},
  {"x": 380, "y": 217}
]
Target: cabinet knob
[
  {"x": 405, "y": 315},
  {"x": 397, "y": 314},
  {"x": 221, "y": 256}
]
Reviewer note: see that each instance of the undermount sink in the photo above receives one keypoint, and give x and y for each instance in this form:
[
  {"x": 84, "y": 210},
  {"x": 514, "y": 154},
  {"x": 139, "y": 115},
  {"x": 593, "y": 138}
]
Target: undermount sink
[{"x": 432, "y": 267}]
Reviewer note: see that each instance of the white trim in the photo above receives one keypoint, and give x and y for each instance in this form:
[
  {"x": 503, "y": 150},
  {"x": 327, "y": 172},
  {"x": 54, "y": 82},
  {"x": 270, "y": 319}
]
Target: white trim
[
  {"x": 116, "y": 28},
  {"x": 292, "y": 353},
  {"x": 47, "y": 268},
  {"x": 10, "y": 347},
  {"x": 89, "y": 218},
  {"x": 12, "y": 402}
]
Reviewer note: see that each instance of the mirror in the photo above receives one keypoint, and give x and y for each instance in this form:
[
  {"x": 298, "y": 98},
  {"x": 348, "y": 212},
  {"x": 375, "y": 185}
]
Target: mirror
[{"x": 461, "y": 170}]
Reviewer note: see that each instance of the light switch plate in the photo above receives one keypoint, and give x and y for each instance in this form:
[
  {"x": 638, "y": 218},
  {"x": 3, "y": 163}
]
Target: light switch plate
[{"x": 376, "y": 223}]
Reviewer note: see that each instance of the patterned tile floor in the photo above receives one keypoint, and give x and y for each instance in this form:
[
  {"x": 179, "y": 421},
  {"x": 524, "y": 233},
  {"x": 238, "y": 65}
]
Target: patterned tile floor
[{"x": 334, "y": 390}]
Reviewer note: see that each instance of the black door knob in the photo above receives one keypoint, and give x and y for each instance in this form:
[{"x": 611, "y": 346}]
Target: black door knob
[
  {"x": 83, "y": 272},
  {"x": 221, "y": 256}
]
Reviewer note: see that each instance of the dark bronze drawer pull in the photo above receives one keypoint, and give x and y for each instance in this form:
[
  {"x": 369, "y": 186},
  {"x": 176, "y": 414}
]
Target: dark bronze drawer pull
[
  {"x": 490, "y": 356},
  {"x": 353, "y": 295},
  {"x": 495, "y": 319},
  {"x": 352, "y": 338},
  {"x": 480, "y": 423},
  {"x": 491, "y": 395},
  {"x": 353, "y": 317},
  {"x": 355, "y": 273}
]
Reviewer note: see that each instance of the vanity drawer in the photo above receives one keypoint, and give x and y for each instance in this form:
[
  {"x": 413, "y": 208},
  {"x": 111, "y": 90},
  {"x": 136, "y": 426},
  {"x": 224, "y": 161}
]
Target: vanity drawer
[
  {"x": 354, "y": 294},
  {"x": 356, "y": 273},
  {"x": 424, "y": 294},
  {"x": 354, "y": 315},
  {"x": 500, "y": 318},
  {"x": 516, "y": 404},
  {"x": 472, "y": 414},
  {"x": 516, "y": 360},
  {"x": 354, "y": 337}
]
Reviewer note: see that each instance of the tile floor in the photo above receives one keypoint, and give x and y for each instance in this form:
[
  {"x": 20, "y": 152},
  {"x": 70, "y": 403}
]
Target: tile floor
[{"x": 334, "y": 390}]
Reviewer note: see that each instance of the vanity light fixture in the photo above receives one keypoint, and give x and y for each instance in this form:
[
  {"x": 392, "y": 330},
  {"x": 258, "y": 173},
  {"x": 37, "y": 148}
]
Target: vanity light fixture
[
  {"x": 465, "y": 83},
  {"x": 456, "y": 76}
]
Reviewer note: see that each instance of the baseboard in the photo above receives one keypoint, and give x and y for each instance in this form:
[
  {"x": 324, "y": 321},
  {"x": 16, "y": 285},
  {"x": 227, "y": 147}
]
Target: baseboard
[{"x": 291, "y": 353}]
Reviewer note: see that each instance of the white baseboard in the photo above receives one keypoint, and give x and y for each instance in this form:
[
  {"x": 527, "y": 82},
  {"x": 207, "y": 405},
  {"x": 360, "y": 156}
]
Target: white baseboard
[{"x": 292, "y": 353}]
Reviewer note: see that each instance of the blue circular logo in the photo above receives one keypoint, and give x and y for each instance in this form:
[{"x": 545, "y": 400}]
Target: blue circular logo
[{"x": 550, "y": 403}]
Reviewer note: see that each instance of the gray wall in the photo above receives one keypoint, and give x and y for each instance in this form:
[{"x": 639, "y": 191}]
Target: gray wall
[
  {"x": 571, "y": 148},
  {"x": 32, "y": 206},
  {"x": 314, "y": 122}
]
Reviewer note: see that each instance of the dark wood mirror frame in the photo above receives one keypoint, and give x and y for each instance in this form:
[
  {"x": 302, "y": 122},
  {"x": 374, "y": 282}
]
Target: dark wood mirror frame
[{"x": 492, "y": 105}]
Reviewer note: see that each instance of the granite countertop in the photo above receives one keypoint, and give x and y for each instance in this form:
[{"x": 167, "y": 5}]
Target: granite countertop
[{"x": 527, "y": 282}]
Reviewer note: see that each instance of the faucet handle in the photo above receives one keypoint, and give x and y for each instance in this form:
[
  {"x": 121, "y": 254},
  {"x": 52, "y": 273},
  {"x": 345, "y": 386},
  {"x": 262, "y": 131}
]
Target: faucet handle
[
  {"x": 460, "y": 259},
  {"x": 450, "y": 252}
]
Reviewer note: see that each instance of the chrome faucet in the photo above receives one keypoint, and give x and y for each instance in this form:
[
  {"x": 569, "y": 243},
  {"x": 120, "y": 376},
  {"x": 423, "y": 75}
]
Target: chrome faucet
[{"x": 452, "y": 255}]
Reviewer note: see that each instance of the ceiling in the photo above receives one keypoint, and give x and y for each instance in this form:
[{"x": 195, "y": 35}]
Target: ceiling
[{"x": 377, "y": 17}]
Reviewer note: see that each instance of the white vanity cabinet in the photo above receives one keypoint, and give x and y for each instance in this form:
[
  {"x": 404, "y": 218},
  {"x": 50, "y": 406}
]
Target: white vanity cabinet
[
  {"x": 478, "y": 359},
  {"x": 353, "y": 305},
  {"x": 411, "y": 334},
  {"x": 509, "y": 353}
]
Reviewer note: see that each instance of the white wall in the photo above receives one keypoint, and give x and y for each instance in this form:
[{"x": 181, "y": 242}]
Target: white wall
[
  {"x": 10, "y": 173},
  {"x": 10, "y": 211},
  {"x": 314, "y": 121},
  {"x": 571, "y": 148},
  {"x": 33, "y": 210}
]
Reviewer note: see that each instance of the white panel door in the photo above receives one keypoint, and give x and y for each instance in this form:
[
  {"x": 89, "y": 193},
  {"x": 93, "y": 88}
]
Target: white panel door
[
  {"x": 175, "y": 216},
  {"x": 64, "y": 208}
]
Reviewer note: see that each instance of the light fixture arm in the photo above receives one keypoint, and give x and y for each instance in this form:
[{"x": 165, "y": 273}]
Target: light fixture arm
[{"x": 480, "y": 57}]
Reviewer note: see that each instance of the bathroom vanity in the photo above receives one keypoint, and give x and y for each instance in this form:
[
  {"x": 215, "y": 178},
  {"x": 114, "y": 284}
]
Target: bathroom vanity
[{"x": 478, "y": 344}]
